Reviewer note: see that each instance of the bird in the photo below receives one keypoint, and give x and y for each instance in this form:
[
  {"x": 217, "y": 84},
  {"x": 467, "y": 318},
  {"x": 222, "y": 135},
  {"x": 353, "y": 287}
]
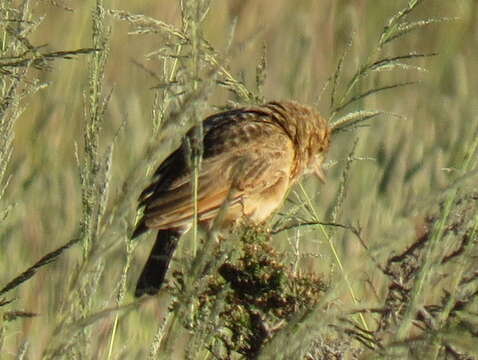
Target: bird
[{"x": 251, "y": 157}]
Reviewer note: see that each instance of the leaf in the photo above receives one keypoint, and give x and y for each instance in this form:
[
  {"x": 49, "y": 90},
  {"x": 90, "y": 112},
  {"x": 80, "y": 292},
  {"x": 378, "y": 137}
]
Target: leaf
[{"x": 354, "y": 118}]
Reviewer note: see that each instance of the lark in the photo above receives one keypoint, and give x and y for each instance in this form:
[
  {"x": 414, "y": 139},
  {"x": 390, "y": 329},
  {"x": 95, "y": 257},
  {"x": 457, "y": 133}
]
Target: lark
[{"x": 252, "y": 156}]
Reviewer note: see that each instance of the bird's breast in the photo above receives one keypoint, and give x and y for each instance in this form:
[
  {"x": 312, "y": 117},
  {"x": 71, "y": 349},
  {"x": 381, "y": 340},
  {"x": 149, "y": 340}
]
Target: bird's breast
[{"x": 257, "y": 207}]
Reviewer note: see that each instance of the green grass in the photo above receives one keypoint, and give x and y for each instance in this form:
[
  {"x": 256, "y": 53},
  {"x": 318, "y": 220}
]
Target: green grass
[{"x": 379, "y": 262}]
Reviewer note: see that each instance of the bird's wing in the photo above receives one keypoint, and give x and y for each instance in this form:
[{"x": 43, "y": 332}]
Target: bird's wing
[{"x": 240, "y": 158}]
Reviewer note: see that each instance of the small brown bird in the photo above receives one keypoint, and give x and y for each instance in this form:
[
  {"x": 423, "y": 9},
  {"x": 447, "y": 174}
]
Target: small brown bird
[{"x": 251, "y": 158}]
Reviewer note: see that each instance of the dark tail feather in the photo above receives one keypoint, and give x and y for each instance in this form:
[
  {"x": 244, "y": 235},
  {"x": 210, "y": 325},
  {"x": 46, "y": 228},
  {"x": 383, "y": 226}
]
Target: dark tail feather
[{"x": 156, "y": 267}]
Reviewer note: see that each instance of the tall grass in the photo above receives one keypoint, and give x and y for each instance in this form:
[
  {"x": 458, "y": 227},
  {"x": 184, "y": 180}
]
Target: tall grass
[{"x": 380, "y": 262}]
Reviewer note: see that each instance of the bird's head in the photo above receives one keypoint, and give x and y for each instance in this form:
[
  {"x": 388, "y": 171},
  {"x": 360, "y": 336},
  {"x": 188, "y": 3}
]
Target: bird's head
[{"x": 310, "y": 133}]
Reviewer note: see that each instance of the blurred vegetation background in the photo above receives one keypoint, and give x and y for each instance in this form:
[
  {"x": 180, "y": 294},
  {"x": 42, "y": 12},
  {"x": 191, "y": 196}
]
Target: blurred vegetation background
[{"x": 402, "y": 166}]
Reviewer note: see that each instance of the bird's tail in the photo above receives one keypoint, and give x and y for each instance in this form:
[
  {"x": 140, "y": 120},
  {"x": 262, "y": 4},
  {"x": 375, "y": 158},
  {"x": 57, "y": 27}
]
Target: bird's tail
[{"x": 154, "y": 272}]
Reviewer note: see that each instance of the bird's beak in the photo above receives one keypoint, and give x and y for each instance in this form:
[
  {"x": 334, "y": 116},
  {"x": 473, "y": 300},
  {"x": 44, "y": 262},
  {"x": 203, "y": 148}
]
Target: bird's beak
[{"x": 320, "y": 173}]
